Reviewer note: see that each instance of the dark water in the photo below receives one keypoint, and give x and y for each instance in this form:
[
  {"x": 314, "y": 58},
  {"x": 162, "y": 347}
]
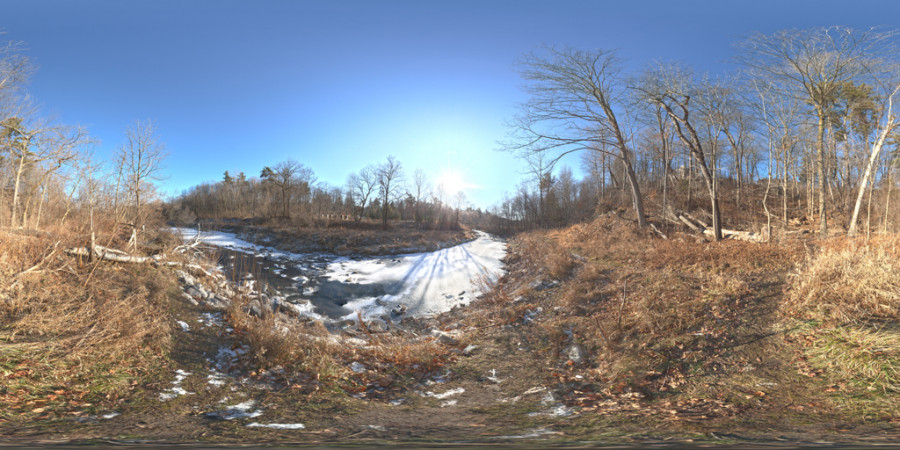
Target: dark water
[{"x": 328, "y": 296}]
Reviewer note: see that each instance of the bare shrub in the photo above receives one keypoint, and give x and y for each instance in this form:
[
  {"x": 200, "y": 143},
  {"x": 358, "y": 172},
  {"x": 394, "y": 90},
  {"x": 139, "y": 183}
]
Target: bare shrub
[
  {"x": 308, "y": 349},
  {"x": 544, "y": 254},
  {"x": 290, "y": 344}
]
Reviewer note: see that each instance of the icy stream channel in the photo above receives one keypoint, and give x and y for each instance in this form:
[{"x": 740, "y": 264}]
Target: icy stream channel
[{"x": 418, "y": 284}]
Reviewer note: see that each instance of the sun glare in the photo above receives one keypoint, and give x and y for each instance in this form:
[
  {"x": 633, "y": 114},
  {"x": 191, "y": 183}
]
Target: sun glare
[{"x": 451, "y": 181}]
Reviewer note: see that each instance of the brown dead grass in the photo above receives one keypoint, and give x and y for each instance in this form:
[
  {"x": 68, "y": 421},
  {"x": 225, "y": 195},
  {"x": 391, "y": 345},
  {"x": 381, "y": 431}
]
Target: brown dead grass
[
  {"x": 648, "y": 313},
  {"x": 846, "y": 299},
  {"x": 848, "y": 282},
  {"x": 309, "y": 352},
  {"x": 81, "y": 329}
]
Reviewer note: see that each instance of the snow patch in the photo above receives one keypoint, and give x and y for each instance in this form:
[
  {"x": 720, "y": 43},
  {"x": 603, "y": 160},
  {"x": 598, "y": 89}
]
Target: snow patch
[
  {"x": 536, "y": 433},
  {"x": 215, "y": 378},
  {"x": 277, "y": 426},
  {"x": 445, "y": 394},
  {"x": 215, "y": 319},
  {"x": 176, "y": 389},
  {"x": 430, "y": 283},
  {"x": 238, "y": 411}
]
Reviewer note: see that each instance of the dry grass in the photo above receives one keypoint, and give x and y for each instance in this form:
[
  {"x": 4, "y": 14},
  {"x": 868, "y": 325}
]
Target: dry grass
[
  {"x": 76, "y": 333},
  {"x": 848, "y": 282},
  {"x": 290, "y": 344},
  {"x": 646, "y": 311},
  {"x": 863, "y": 355},
  {"x": 848, "y": 295},
  {"x": 307, "y": 351},
  {"x": 542, "y": 253}
]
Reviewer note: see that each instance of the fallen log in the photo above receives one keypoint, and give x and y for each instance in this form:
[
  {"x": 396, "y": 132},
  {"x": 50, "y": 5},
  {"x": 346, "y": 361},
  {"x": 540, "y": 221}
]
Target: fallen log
[
  {"x": 696, "y": 220},
  {"x": 114, "y": 255},
  {"x": 690, "y": 224},
  {"x": 701, "y": 227},
  {"x": 656, "y": 230},
  {"x": 739, "y": 235}
]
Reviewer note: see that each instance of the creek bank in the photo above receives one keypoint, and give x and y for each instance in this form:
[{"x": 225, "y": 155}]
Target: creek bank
[{"x": 341, "y": 238}]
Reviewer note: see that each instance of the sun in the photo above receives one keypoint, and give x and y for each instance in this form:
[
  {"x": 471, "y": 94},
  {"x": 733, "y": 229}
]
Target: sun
[{"x": 451, "y": 181}]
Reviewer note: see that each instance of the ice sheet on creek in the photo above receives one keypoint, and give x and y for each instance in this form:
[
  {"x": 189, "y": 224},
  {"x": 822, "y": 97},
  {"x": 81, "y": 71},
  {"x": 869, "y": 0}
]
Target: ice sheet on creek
[{"x": 426, "y": 283}]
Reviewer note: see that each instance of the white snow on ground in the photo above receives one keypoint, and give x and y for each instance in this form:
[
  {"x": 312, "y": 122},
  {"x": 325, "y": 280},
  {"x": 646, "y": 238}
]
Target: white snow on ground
[
  {"x": 278, "y": 426},
  {"x": 446, "y": 394},
  {"x": 239, "y": 411},
  {"x": 211, "y": 319},
  {"x": 557, "y": 409},
  {"x": 176, "y": 388},
  {"x": 227, "y": 358},
  {"x": 217, "y": 238},
  {"x": 215, "y": 378},
  {"x": 184, "y": 326},
  {"x": 231, "y": 241},
  {"x": 536, "y": 433},
  {"x": 429, "y": 283}
]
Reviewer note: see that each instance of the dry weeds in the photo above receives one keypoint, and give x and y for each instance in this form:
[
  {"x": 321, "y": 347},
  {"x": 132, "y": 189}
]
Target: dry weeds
[
  {"x": 309, "y": 353},
  {"x": 66, "y": 339},
  {"x": 651, "y": 317},
  {"x": 847, "y": 298},
  {"x": 848, "y": 282}
]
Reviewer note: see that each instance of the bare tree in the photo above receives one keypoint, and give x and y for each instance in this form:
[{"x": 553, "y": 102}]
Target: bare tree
[
  {"x": 672, "y": 87},
  {"x": 40, "y": 149},
  {"x": 289, "y": 176},
  {"x": 361, "y": 185},
  {"x": 577, "y": 102},
  {"x": 811, "y": 65},
  {"x": 779, "y": 116},
  {"x": 15, "y": 69},
  {"x": 420, "y": 185},
  {"x": 460, "y": 198},
  {"x": 389, "y": 175},
  {"x": 888, "y": 123},
  {"x": 139, "y": 164},
  {"x": 539, "y": 170}
]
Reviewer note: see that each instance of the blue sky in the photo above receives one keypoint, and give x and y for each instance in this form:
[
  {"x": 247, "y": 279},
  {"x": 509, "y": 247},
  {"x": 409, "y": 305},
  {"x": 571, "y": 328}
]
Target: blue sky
[{"x": 336, "y": 85}]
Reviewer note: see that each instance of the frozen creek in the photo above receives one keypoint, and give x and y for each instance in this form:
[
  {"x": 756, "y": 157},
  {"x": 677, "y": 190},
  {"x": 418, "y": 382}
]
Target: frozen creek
[{"x": 329, "y": 287}]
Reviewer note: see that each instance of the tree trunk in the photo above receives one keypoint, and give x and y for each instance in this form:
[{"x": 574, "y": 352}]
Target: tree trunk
[
  {"x": 16, "y": 188},
  {"x": 887, "y": 198},
  {"x": 37, "y": 220},
  {"x": 784, "y": 185},
  {"x": 820, "y": 168},
  {"x": 876, "y": 149}
]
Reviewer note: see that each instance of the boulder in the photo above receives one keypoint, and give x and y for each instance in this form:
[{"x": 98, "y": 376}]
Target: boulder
[{"x": 187, "y": 297}]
